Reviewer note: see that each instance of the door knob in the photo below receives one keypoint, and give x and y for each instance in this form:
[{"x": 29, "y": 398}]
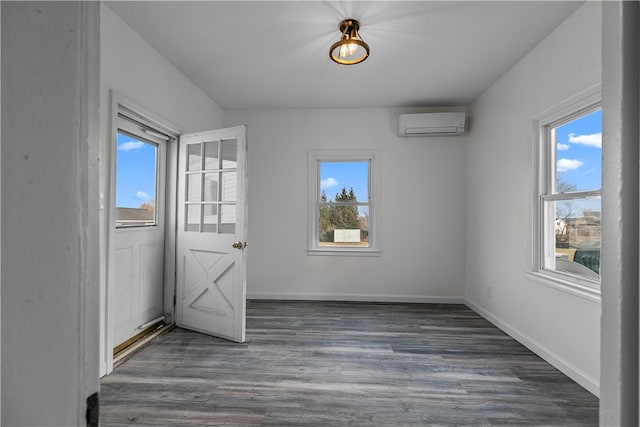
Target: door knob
[{"x": 237, "y": 245}]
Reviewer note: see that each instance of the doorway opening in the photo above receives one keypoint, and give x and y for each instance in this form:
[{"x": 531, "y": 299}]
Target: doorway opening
[
  {"x": 176, "y": 236},
  {"x": 140, "y": 289}
]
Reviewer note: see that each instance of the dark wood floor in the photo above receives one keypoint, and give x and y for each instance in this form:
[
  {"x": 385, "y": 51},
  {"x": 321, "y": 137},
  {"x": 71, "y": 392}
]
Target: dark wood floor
[{"x": 338, "y": 364}]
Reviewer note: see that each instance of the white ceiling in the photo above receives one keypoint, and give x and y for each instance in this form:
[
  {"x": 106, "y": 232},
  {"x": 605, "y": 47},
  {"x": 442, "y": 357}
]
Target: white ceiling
[{"x": 276, "y": 54}]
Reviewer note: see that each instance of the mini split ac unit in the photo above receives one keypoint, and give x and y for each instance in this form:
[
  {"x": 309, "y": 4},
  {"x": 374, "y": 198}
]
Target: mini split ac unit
[{"x": 431, "y": 124}]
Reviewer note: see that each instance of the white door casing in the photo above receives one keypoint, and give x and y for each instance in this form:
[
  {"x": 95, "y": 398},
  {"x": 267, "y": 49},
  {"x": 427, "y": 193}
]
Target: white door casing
[{"x": 211, "y": 235}]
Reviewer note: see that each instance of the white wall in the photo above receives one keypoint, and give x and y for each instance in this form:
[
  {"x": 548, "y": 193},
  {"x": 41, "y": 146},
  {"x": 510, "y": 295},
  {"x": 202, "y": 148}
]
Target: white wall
[
  {"x": 49, "y": 212},
  {"x": 423, "y": 208},
  {"x": 130, "y": 66},
  {"x": 563, "y": 328}
]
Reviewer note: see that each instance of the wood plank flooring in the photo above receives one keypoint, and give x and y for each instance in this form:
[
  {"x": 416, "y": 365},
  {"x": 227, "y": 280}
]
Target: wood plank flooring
[{"x": 339, "y": 364}]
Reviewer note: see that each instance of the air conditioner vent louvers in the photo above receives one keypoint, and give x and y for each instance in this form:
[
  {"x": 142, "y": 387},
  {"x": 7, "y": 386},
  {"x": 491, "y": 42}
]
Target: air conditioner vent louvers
[{"x": 431, "y": 124}]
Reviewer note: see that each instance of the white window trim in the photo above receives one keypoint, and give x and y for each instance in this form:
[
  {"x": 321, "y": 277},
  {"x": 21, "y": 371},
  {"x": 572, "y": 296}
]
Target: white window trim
[
  {"x": 314, "y": 157},
  {"x": 576, "y": 106}
]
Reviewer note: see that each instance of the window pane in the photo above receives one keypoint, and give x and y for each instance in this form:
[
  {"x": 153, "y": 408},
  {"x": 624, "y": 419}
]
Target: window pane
[
  {"x": 210, "y": 218},
  {"x": 228, "y": 219},
  {"x": 344, "y": 181},
  {"x": 344, "y": 226},
  {"x": 577, "y": 236},
  {"x": 211, "y": 155},
  {"x": 211, "y": 187},
  {"x": 578, "y": 146},
  {"x": 229, "y": 186},
  {"x": 193, "y": 218},
  {"x": 194, "y": 161},
  {"x": 135, "y": 182},
  {"x": 193, "y": 187},
  {"x": 229, "y": 154}
]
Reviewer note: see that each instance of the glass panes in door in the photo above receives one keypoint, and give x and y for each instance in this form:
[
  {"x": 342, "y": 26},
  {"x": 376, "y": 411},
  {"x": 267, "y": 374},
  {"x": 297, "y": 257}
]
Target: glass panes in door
[
  {"x": 136, "y": 182},
  {"x": 211, "y": 180}
]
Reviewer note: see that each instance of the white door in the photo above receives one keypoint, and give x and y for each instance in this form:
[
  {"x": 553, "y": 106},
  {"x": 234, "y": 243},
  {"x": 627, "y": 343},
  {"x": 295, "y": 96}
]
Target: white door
[
  {"x": 138, "y": 235},
  {"x": 211, "y": 254}
]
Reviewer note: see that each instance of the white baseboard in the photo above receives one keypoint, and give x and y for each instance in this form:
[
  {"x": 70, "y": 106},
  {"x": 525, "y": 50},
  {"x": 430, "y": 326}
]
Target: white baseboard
[
  {"x": 579, "y": 376},
  {"x": 354, "y": 297}
]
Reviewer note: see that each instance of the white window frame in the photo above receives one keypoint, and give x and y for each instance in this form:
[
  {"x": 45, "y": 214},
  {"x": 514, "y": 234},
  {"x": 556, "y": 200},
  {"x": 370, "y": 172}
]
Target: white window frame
[
  {"x": 143, "y": 132},
  {"x": 314, "y": 159},
  {"x": 542, "y": 160}
]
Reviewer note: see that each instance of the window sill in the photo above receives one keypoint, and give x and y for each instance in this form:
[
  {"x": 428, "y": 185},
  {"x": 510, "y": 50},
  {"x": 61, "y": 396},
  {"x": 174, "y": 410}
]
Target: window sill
[
  {"x": 565, "y": 283},
  {"x": 136, "y": 227},
  {"x": 344, "y": 252}
]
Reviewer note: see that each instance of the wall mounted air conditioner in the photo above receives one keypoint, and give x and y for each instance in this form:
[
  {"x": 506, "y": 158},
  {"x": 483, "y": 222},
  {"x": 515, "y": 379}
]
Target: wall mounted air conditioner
[{"x": 431, "y": 124}]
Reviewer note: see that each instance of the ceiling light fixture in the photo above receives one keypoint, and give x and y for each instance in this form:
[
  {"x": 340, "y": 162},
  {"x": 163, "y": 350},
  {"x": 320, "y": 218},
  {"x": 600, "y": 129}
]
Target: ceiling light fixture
[{"x": 351, "y": 49}]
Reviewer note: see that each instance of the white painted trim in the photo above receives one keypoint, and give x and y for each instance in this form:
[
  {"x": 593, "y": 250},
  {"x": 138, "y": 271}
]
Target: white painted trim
[
  {"x": 170, "y": 230},
  {"x": 344, "y": 252},
  {"x": 89, "y": 201},
  {"x": 591, "y": 384},
  {"x": 158, "y": 121},
  {"x": 302, "y": 296},
  {"x": 109, "y": 214},
  {"x": 569, "y": 285}
]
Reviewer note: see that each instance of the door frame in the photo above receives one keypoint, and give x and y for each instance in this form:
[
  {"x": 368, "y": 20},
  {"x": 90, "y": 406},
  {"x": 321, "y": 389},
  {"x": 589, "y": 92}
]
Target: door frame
[{"x": 118, "y": 101}]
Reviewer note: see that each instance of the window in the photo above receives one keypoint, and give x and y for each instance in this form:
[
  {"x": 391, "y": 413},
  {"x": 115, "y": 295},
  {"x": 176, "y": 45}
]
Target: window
[
  {"x": 137, "y": 174},
  {"x": 567, "y": 186},
  {"x": 343, "y": 202},
  {"x": 211, "y": 179}
]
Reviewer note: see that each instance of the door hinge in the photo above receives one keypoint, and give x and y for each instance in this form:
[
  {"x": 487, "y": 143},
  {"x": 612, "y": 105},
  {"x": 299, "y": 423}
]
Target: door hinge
[
  {"x": 175, "y": 300},
  {"x": 93, "y": 410}
]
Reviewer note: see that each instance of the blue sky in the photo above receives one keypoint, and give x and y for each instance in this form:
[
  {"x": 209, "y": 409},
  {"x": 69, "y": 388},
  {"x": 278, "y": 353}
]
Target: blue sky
[
  {"x": 335, "y": 175},
  {"x": 135, "y": 172},
  {"x": 579, "y": 152}
]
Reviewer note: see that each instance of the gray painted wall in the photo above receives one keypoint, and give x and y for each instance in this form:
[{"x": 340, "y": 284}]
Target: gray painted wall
[{"x": 621, "y": 102}]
